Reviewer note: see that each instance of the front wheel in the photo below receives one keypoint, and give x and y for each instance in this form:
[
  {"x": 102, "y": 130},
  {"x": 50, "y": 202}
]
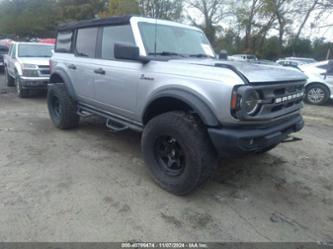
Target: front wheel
[
  {"x": 317, "y": 94},
  {"x": 21, "y": 93},
  {"x": 178, "y": 152},
  {"x": 8, "y": 79}
]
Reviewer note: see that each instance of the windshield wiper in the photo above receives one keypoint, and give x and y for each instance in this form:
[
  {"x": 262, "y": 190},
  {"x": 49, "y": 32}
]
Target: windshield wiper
[
  {"x": 201, "y": 56},
  {"x": 166, "y": 53}
]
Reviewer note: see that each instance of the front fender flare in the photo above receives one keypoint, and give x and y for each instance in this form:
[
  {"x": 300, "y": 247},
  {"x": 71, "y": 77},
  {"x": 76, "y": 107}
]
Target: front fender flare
[{"x": 199, "y": 106}]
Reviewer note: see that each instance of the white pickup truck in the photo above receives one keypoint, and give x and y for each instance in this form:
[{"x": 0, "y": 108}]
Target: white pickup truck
[{"x": 27, "y": 67}]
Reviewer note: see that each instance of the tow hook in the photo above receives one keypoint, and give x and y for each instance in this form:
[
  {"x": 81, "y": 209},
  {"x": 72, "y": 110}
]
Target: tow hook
[{"x": 291, "y": 139}]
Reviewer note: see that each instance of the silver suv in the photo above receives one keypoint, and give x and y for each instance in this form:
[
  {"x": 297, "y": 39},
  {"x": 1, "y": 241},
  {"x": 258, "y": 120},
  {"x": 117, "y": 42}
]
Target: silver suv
[{"x": 161, "y": 78}]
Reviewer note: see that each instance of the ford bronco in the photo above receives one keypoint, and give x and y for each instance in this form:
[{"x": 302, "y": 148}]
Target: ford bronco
[{"x": 162, "y": 79}]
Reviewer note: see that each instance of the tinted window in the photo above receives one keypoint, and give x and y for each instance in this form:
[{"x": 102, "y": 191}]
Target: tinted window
[
  {"x": 64, "y": 41},
  {"x": 115, "y": 34},
  {"x": 86, "y": 42}
]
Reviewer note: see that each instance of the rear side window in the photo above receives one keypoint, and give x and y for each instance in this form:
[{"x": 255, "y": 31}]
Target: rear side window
[
  {"x": 64, "y": 42},
  {"x": 115, "y": 34},
  {"x": 86, "y": 42}
]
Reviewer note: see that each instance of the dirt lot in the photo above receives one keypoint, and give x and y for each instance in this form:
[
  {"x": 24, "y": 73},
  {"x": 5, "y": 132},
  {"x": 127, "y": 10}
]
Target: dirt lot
[{"x": 92, "y": 185}]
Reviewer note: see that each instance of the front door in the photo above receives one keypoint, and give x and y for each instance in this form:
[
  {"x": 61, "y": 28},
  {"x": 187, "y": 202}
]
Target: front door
[{"x": 116, "y": 81}]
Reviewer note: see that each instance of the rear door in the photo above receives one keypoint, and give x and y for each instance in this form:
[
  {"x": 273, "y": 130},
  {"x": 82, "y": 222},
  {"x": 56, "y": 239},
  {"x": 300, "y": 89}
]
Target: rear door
[
  {"x": 82, "y": 66},
  {"x": 116, "y": 80}
]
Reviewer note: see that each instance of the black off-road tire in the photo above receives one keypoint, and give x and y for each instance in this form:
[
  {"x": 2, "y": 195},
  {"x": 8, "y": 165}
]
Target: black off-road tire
[
  {"x": 192, "y": 137},
  {"x": 10, "y": 82},
  {"x": 323, "y": 88},
  {"x": 62, "y": 108}
]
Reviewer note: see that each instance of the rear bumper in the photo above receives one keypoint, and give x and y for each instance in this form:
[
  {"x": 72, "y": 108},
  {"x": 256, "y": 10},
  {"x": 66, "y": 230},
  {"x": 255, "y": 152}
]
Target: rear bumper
[
  {"x": 237, "y": 141},
  {"x": 34, "y": 82}
]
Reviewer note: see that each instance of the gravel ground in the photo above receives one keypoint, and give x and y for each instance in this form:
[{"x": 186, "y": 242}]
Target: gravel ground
[{"x": 92, "y": 185}]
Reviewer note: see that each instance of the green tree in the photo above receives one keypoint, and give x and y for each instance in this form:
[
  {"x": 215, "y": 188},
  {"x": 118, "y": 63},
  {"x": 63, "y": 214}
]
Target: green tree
[
  {"x": 19, "y": 17},
  {"x": 121, "y": 7},
  {"x": 72, "y": 10}
]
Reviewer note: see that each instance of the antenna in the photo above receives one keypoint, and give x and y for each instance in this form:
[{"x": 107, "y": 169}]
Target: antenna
[{"x": 155, "y": 16}]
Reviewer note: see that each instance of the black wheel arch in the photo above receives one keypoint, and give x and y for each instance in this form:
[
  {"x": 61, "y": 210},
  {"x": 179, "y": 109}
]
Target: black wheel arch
[
  {"x": 61, "y": 77},
  {"x": 178, "y": 100}
]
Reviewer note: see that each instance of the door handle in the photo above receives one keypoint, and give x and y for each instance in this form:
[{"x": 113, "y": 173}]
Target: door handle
[
  {"x": 72, "y": 66},
  {"x": 100, "y": 71}
]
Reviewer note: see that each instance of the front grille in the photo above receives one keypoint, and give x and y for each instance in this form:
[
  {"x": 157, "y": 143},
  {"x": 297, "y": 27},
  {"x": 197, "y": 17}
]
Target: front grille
[
  {"x": 44, "y": 70},
  {"x": 281, "y": 99},
  {"x": 43, "y": 66}
]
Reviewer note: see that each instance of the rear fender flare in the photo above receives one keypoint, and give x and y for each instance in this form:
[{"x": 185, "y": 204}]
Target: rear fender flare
[{"x": 66, "y": 81}]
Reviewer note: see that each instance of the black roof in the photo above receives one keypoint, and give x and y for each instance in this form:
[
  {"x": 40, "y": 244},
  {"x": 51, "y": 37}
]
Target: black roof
[{"x": 116, "y": 20}]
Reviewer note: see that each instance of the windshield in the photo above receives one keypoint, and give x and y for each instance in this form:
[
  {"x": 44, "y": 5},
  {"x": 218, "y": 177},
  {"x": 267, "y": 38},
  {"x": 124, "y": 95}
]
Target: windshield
[
  {"x": 171, "y": 40},
  {"x": 34, "y": 50}
]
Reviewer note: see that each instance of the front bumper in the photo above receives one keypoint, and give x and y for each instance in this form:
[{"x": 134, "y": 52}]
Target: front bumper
[
  {"x": 238, "y": 141},
  {"x": 34, "y": 82}
]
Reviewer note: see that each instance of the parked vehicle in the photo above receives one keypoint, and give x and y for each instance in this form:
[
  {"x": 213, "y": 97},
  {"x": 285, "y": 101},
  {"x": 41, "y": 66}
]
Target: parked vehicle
[
  {"x": 290, "y": 63},
  {"x": 319, "y": 87},
  {"x": 3, "y": 51},
  {"x": 27, "y": 67},
  {"x": 243, "y": 57},
  {"x": 161, "y": 78},
  {"x": 51, "y": 41},
  {"x": 302, "y": 59},
  {"x": 265, "y": 62}
]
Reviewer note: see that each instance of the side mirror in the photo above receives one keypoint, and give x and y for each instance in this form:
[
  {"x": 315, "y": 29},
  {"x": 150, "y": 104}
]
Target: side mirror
[{"x": 128, "y": 52}]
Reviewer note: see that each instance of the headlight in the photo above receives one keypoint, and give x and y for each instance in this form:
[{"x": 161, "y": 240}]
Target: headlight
[
  {"x": 251, "y": 103},
  {"x": 29, "y": 66},
  {"x": 245, "y": 102}
]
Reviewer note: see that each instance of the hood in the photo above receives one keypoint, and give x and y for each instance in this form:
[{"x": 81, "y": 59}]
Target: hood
[
  {"x": 35, "y": 60},
  {"x": 251, "y": 72}
]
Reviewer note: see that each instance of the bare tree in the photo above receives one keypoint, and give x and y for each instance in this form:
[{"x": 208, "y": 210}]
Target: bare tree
[
  {"x": 162, "y": 9},
  {"x": 213, "y": 12}
]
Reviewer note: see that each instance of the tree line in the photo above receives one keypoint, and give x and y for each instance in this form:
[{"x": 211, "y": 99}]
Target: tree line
[{"x": 268, "y": 28}]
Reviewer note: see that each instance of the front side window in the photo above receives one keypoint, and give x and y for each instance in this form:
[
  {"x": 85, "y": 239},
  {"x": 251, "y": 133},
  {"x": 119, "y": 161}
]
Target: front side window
[
  {"x": 35, "y": 50},
  {"x": 64, "y": 41},
  {"x": 172, "y": 39},
  {"x": 115, "y": 34},
  {"x": 86, "y": 42}
]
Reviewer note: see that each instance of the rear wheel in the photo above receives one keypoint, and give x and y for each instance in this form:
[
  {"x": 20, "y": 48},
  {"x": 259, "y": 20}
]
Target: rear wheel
[
  {"x": 178, "y": 152},
  {"x": 317, "y": 94},
  {"x": 62, "y": 108}
]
